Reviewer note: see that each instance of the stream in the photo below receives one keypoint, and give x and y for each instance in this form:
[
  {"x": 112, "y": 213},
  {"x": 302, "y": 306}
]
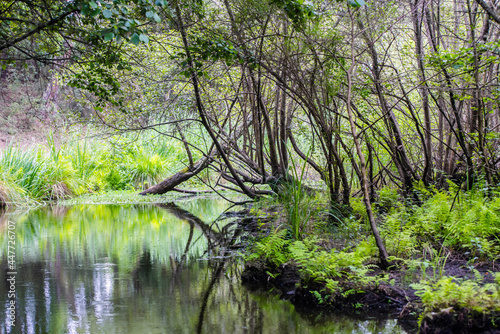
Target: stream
[{"x": 143, "y": 269}]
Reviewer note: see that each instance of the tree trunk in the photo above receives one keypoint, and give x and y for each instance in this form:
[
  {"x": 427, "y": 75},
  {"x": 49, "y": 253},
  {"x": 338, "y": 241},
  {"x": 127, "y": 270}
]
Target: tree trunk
[
  {"x": 384, "y": 257},
  {"x": 179, "y": 177}
]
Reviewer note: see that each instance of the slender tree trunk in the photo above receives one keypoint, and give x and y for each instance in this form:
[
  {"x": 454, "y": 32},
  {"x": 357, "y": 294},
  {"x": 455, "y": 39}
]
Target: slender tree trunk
[
  {"x": 423, "y": 87},
  {"x": 384, "y": 257}
]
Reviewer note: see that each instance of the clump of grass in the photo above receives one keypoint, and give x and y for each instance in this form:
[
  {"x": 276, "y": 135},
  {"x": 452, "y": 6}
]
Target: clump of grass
[{"x": 11, "y": 194}]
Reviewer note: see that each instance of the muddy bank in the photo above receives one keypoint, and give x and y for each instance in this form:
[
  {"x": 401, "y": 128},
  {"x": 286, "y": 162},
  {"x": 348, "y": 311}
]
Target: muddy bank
[
  {"x": 396, "y": 300},
  {"x": 460, "y": 322},
  {"x": 383, "y": 301}
]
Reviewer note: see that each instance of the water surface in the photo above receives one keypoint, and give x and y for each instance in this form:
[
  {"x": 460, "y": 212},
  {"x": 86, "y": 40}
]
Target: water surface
[{"x": 142, "y": 269}]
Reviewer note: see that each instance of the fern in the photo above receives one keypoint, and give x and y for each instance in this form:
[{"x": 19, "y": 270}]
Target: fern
[
  {"x": 271, "y": 249},
  {"x": 331, "y": 267},
  {"x": 453, "y": 292}
]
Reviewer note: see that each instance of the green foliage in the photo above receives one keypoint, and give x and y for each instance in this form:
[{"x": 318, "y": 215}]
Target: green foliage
[
  {"x": 296, "y": 202},
  {"x": 333, "y": 266},
  {"x": 460, "y": 294},
  {"x": 462, "y": 221},
  {"x": 62, "y": 170},
  {"x": 299, "y": 208},
  {"x": 40, "y": 30},
  {"x": 337, "y": 270},
  {"x": 430, "y": 261},
  {"x": 215, "y": 49},
  {"x": 119, "y": 19},
  {"x": 358, "y": 208},
  {"x": 299, "y": 11},
  {"x": 271, "y": 249},
  {"x": 388, "y": 198},
  {"x": 11, "y": 193},
  {"x": 39, "y": 176}
]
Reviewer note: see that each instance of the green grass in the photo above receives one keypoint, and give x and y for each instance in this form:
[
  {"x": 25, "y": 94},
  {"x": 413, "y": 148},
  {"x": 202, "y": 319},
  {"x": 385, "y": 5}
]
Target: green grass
[
  {"x": 58, "y": 171},
  {"x": 120, "y": 197}
]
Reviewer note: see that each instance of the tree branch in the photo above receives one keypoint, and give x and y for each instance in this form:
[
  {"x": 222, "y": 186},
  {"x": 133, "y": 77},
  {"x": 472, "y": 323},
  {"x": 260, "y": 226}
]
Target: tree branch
[
  {"x": 39, "y": 28},
  {"x": 489, "y": 10}
]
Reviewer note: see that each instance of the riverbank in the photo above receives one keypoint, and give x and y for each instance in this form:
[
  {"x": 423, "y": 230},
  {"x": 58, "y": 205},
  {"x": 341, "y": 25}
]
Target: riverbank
[
  {"x": 444, "y": 250},
  {"x": 444, "y": 279},
  {"x": 54, "y": 169}
]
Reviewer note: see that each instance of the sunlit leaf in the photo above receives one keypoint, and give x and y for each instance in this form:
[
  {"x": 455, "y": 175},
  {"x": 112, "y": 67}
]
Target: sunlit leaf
[{"x": 144, "y": 38}]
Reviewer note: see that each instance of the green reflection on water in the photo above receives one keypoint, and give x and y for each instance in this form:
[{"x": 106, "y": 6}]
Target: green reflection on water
[{"x": 136, "y": 269}]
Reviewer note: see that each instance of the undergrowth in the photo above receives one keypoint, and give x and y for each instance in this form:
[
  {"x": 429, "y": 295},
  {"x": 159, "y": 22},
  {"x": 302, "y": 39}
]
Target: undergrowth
[
  {"x": 338, "y": 271},
  {"x": 461, "y": 222},
  {"x": 450, "y": 293},
  {"x": 338, "y": 259}
]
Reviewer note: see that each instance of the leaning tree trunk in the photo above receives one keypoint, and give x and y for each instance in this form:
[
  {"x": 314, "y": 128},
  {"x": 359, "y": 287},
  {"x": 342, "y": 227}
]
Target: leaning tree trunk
[
  {"x": 199, "y": 106},
  {"x": 179, "y": 177}
]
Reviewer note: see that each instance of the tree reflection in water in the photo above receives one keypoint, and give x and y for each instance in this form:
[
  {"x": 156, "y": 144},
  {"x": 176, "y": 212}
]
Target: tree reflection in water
[{"x": 141, "y": 269}]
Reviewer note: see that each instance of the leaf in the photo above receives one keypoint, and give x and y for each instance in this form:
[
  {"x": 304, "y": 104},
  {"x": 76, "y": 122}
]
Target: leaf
[
  {"x": 149, "y": 14},
  {"x": 156, "y": 18},
  {"x": 135, "y": 39},
  {"x": 144, "y": 38},
  {"x": 107, "y": 13},
  {"x": 93, "y": 4},
  {"x": 356, "y": 3},
  {"x": 160, "y": 3},
  {"x": 109, "y": 36}
]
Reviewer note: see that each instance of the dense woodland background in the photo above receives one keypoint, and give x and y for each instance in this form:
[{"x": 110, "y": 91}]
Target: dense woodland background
[{"x": 363, "y": 95}]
